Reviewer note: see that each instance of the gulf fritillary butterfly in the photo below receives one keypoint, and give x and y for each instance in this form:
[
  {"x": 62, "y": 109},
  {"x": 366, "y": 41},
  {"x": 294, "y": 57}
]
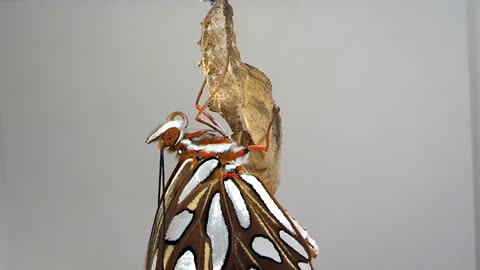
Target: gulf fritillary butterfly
[{"x": 213, "y": 214}]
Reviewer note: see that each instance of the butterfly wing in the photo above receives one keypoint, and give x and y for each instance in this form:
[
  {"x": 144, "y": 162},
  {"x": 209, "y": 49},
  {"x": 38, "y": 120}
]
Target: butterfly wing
[
  {"x": 274, "y": 238},
  {"x": 224, "y": 223},
  {"x": 183, "y": 170}
]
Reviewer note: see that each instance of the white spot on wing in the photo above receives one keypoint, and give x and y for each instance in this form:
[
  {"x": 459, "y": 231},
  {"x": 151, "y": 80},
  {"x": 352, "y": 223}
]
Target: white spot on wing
[
  {"x": 154, "y": 262},
  {"x": 239, "y": 204},
  {"x": 203, "y": 171},
  {"x": 187, "y": 161},
  {"x": 304, "y": 266},
  {"x": 217, "y": 231},
  {"x": 264, "y": 247},
  {"x": 267, "y": 199},
  {"x": 293, "y": 243},
  {"x": 241, "y": 160},
  {"x": 186, "y": 262},
  {"x": 178, "y": 225},
  {"x": 237, "y": 162},
  {"x": 230, "y": 167},
  {"x": 304, "y": 234},
  {"x": 313, "y": 244}
]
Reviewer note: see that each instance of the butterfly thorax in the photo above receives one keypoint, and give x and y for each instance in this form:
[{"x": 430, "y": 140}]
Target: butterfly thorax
[{"x": 205, "y": 144}]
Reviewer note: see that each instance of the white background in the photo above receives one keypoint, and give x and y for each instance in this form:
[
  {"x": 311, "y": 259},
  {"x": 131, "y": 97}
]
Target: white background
[{"x": 376, "y": 95}]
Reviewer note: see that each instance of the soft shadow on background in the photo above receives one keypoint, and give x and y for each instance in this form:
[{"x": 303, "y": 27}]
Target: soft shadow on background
[{"x": 376, "y": 106}]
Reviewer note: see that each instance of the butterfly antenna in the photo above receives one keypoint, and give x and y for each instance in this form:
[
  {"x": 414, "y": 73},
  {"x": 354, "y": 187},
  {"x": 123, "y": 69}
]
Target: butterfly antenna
[{"x": 161, "y": 197}]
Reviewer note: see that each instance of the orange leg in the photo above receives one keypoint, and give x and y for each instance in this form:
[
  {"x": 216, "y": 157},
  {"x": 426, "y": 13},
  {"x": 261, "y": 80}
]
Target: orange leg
[
  {"x": 267, "y": 136},
  {"x": 203, "y": 111}
]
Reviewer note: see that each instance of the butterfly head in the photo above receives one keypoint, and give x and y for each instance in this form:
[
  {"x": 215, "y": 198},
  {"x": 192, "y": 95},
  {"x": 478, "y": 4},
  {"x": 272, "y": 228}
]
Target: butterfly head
[{"x": 170, "y": 133}]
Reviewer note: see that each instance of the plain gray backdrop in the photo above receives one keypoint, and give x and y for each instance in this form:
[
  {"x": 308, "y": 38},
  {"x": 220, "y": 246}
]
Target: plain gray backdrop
[{"x": 376, "y": 100}]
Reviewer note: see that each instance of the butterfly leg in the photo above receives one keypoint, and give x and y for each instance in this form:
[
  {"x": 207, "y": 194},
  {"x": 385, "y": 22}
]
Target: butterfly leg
[
  {"x": 202, "y": 108},
  {"x": 267, "y": 135},
  {"x": 203, "y": 111}
]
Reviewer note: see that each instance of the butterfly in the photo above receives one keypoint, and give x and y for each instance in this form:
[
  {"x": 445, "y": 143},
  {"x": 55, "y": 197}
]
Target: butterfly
[{"x": 213, "y": 214}]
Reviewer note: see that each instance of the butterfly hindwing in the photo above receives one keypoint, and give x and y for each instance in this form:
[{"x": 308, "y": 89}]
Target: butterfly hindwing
[{"x": 273, "y": 240}]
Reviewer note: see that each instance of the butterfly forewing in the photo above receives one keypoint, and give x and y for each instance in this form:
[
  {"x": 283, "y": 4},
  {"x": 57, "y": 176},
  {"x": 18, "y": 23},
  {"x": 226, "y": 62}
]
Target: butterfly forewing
[
  {"x": 183, "y": 170},
  {"x": 218, "y": 220}
]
